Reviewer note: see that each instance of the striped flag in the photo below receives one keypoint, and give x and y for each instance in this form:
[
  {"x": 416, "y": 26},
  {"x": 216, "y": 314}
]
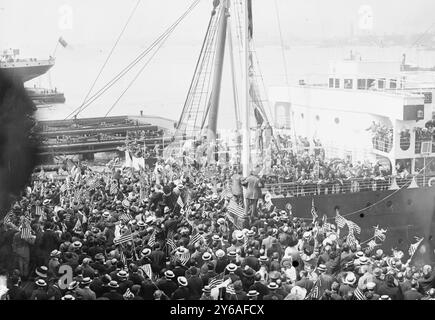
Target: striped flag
[
  {"x": 380, "y": 234},
  {"x": 113, "y": 188},
  {"x": 313, "y": 211},
  {"x": 413, "y": 247},
  {"x": 372, "y": 244},
  {"x": 214, "y": 282},
  {"x": 230, "y": 289},
  {"x": 245, "y": 243},
  {"x": 170, "y": 241},
  {"x": 353, "y": 227},
  {"x": 125, "y": 217},
  {"x": 225, "y": 193},
  {"x": 8, "y": 219},
  {"x": 185, "y": 257},
  {"x": 124, "y": 238},
  {"x": 63, "y": 188},
  {"x": 235, "y": 209},
  {"x": 359, "y": 294},
  {"x": 268, "y": 205},
  {"x": 340, "y": 221},
  {"x": 152, "y": 240},
  {"x": 95, "y": 183},
  {"x": 196, "y": 238},
  {"x": 180, "y": 202},
  {"x": 351, "y": 240},
  {"x": 314, "y": 293},
  {"x": 26, "y": 231},
  {"x": 39, "y": 211}
]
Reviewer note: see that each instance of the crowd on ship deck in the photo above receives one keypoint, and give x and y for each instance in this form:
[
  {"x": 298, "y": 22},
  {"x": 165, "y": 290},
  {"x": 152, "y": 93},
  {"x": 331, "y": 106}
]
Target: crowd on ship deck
[
  {"x": 382, "y": 136},
  {"x": 184, "y": 245}
]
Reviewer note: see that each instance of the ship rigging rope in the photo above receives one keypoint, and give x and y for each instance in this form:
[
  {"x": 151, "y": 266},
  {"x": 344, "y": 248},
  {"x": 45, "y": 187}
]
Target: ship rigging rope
[
  {"x": 110, "y": 54},
  {"x": 144, "y": 53}
]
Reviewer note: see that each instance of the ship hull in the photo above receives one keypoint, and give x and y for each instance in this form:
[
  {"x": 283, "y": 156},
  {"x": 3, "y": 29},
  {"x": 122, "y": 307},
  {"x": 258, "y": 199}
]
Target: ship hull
[
  {"x": 27, "y": 73},
  {"x": 405, "y": 214}
]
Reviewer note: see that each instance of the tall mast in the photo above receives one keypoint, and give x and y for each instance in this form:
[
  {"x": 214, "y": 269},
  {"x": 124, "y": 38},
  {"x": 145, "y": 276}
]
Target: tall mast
[
  {"x": 246, "y": 150},
  {"x": 217, "y": 79}
]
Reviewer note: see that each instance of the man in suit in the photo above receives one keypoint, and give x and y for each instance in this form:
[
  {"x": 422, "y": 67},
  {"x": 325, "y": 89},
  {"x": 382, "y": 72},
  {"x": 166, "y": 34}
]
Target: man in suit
[
  {"x": 253, "y": 185},
  {"x": 16, "y": 292}
]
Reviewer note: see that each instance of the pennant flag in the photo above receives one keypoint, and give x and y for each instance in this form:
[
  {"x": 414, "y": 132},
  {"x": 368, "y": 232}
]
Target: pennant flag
[
  {"x": 359, "y": 294},
  {"x": 413, "y": 247},
  {"x": 380, "y": 234},
  {"x": 313, "y": 211},
  {"x": 152, "y": 240},
  {"x": 235, "y": 209},
  {"x": 78, "y": 225},
  {"x": 340, "y": 221},
  {"x": 127, "y": 237},
  {"x": 147, "y": 270},
  {"x": 180, "y": 202},
  {"x": 63, "y": 42}
]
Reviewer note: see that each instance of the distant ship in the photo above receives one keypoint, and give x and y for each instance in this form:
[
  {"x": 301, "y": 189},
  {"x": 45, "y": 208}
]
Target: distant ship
[
  {"x": 24, "y": 69},
  {"x": 28, "y": 69}
]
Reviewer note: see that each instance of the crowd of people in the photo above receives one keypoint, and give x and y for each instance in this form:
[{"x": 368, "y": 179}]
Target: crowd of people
[
  {"x": 169, "y": 234},
  {"x": 382, "y": 136}
]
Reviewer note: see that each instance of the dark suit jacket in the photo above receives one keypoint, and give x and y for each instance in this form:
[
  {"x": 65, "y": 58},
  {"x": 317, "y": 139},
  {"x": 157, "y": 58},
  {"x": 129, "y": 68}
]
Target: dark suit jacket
[
  {"x": 253, "y": 186},
  {"x": 16, "y": 293}
]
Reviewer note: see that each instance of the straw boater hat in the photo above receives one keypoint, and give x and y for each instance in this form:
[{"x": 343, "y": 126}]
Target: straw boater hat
[
  {"x": 231, "y": 267},
  {"x": 169, "y": 274},
  {"x": 206, "y": 289},
  {"x": 206, "y": 256},
  {"x": 220, "y": 253},
  {"x": 252, "y": 293},
  {"x": 42, "y": 271},
  {"x": 182, "y": 281},
  {"x": 146, "y": 252},
  {"x": 86, "y": 281},
  {"x": 68, "y": 297},
  {"x": 350, "y": 278},
  {"x": 272, "y": 286},
  {"x": 113, "y": 284},
  {"x": 41, "y": 283}
]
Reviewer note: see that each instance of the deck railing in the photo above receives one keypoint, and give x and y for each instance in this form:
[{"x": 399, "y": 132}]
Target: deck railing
[{"x": 353, "y": 185}]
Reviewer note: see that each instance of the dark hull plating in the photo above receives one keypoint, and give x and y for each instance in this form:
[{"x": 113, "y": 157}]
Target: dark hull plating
[{"x": 405, "y": 214}]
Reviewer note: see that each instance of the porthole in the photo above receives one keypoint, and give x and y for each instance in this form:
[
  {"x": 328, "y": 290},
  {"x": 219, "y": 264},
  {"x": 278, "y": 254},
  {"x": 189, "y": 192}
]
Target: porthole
[
  {"x": 317, "y": 118},
  {"x": 337, "y": 120}
]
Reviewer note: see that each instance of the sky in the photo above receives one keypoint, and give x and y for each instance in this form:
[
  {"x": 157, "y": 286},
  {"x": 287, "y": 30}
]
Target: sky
[{"x": 40, "y": 23}]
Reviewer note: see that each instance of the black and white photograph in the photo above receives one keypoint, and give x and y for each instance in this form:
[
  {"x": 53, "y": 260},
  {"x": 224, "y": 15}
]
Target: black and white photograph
[{"x": 232, "y": 151}]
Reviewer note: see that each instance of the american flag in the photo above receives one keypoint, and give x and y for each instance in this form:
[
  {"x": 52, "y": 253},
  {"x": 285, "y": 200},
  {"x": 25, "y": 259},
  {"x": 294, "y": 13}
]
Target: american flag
[
  {"x": 235, "y": 209},
  {"x": 8, "y": 219},
  {"x": 113, "y": 188},
  {"x": 125, "y": 217},
  {"x": 185, "y": 257},
  {"x": 225, "y": 193},
  {"x": 26, "y": 231},
  {"x": 351, "y": 240},
  {"x": 372, "y": 244},
  {"x": 214, "y": 282},
  {"x": 196, "y": 238},
  {"x": 313, "y": 211},
  {"x": 340, "y": 221},
  {"x": 359, "y": 294},
  {"x": 380, "y": 234},
  {"x": 353, "y": 227},
  {"x": 230, "y": 289},
  {"x": 170, "y": 241},
  {"x": 314, "y": 293},
  {"x": 413, "y": 247},
  {"x": 152, "y": 240},
  {"x": 63, "y": 188},
  {"x": 124, "y": 238},
  {"x": 39, "y": 211},
  {"x": 180, "y": 202},
  {"x": 96, "y": 183}
]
